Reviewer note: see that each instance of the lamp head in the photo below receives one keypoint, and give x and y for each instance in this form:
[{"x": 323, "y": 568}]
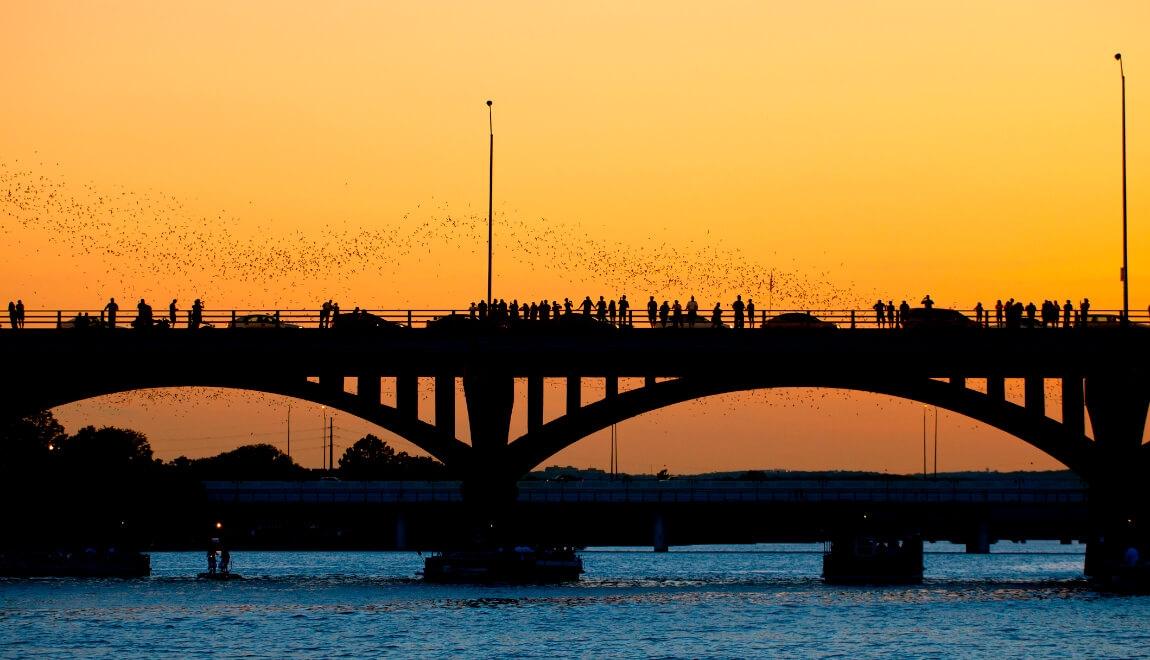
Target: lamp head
[
  {"x": 1117, "y": 56},
  {"x": 489, "y": 100}
]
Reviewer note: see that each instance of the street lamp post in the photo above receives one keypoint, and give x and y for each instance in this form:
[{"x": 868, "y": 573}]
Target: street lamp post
[
  {"x": 1125, "y": 262},
  {"x": 490, "y": 188}
]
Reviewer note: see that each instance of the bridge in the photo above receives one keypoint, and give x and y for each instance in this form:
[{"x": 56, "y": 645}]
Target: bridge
[
  {"x": 1100, "y": 369},
  {"x": 400, "y": 515}
]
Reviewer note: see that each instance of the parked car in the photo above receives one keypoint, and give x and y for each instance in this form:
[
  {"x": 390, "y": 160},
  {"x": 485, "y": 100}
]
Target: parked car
[
  {"x": 935, "y": 317},
  {"x": 799, "y": 320},
  {"x": 262, "y": 321}
]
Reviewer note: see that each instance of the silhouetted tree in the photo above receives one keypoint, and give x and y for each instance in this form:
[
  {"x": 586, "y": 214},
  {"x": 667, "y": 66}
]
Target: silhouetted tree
[
  {"x": 28, "y": 443},
  {"x": 99, "y": 452},
  {"x": 372, "y": 458},
  {"x": 255, "y": 462}
]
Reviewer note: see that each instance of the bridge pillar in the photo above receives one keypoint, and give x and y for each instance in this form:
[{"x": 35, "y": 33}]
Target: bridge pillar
[
  {"x": 1034, "y": 395},
  {"x": 445, "y": 404},
  {"x": 574, "y": 394},
  {"x": 649, "y": 381},
  {"x": 1073, "y": 410},
  {"x": 1117, "y": 403},
  {"x": 367, "y": 387},
  {"x": 611, "y": 388},
  {"x": 979, "y": 543},
  {"x": 534, "y": 403},
  {"x": 659, "y": 533},
  {"x": 407, "y": 396},
  {"x": 996, "y": 388},
  {"x": 958, "y": 381}
]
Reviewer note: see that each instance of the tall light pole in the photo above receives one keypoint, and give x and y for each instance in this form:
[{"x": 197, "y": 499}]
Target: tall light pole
[
  {"x": 490, "y": 188},
  {"x": 1125, "y": 262}
]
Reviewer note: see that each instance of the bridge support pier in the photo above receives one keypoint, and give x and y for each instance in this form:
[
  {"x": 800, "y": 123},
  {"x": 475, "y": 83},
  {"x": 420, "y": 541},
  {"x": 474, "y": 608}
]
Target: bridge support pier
[
  {"x": 1117, "y": 403},
  {"x": 487, "y": 487},
  {"x": 445, "y": 405},
  {"x": 659, "y": 533},
  {"x": 979, "y": 543}
]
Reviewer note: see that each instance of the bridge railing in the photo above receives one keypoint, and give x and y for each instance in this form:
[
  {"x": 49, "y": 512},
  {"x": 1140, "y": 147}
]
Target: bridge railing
[{"x": 419, "y": 318}]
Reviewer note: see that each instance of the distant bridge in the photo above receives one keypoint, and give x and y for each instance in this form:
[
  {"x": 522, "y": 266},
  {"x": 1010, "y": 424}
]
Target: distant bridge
[{"x": 398, "y": 515}]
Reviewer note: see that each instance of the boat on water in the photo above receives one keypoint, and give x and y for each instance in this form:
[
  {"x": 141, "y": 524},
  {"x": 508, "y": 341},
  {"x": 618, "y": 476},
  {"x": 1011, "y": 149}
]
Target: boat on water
[
  {"x": 862, "y": 559},
  {"x": 219, "y": 577},
  {"x": 86, "y": 562},
  {"x": 520, "y": 565}
]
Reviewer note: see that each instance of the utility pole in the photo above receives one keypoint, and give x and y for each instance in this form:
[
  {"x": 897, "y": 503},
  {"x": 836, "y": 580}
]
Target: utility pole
[{"x": 1125, "y": 262}]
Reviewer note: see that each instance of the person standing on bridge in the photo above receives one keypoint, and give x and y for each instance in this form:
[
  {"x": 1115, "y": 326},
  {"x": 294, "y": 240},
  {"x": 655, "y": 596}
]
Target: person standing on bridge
[
  {"x": 878, "y": 308},
  {"x": 750, "y": 313},
  {"x": 692, "y": 311},
  {"x": 978, "y": 313},
  {"x": 587, "y": 305},
  {"x": 739, "y": 307},
  {"x": 998, "y": 313},
  {"x": 110, "y": 312},
  {"x": 482, "y": 307},
  {"x": 19, "y": 313},
  {"x": 624, "y": 307},
  {"x": 664, "y": 312},
  {"x": 717, "y": 316},
  {"x": 676, "y": 315},
  {"x": 903, "y": 310},
  {"x": 601, "y": 309},
  {"x": 172, "y": 313},
  {"x": 611, "y": 311},
  {"x": 890, "y": 314},
  {"x": 1067, "y": 312},
  {"x": 325, "y": 314},
  {"x": 652, "y": 310},
  {"x": 196, "y": 316},
  {"x": 1083, "y": 310},
  {"x": 12, "y": 314},
  {"x": 927, "y": 302}
]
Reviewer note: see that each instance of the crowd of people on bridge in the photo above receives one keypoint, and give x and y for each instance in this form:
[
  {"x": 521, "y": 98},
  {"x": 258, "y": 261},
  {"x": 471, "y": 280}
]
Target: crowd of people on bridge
[{"x": 613, "y": 312}]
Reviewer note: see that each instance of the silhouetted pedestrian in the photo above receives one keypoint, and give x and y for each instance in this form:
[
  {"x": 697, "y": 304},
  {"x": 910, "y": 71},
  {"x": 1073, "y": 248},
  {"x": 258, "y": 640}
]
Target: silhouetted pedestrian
[
  {"x": 664, "y": 312},
  {"x": 750, "y": 313},
  {"x": 1084, "y": 312},
  {"x": 978, "y": 313},
  {"x": 601, "y": 309},
  {"x": 879, "y": 310},
  {"x": 225, "y": 561},
  {"x": 110, "y": 312},
  {"x": 717, "y": 316},
  {"x": 903, "y": 310},
  {"x": 676, "y": 315},
  {"x": 1067, "y": 312},
  {"x": 172, "y": 313},
  {"x": 927, "y": 302},
  {"x": 652, "y": 310},
  {"x": 482, "y": 307},
  {"x": 739, "y": 308},
  {"x": 587, "y": 305},
  {"x": 19, "y": 313},
  {"x": 325, "y": 314},
  {"x": 611, "y": 311},
  {"x": 12, "y": 314},
  {"x": 471, "y": 311},
  {"x": 998, "y": 313},
  {"x": 692, "y": 311},
  {"x": 624, "y": 308},
  {"x": 196, "y": 316},
  {"x": 890, "y": 314}
]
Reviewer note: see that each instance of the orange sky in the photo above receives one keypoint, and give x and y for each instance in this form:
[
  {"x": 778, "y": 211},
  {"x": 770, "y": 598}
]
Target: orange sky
[{"x": 274, "y": 154}]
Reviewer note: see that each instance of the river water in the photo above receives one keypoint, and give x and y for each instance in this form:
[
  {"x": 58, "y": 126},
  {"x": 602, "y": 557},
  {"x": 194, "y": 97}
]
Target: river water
[{"x": 723, "y": 601}]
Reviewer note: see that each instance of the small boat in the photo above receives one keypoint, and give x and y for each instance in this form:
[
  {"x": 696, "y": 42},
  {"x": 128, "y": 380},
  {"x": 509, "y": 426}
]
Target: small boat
[
  {"x": 873, "y": 560},
  {"x": 517, "y": 565},
  {"x": 219, "y": 577}
]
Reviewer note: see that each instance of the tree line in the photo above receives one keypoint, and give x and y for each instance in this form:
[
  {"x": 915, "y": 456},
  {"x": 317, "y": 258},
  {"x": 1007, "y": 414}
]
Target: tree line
[{"x": 38, "y": 446}]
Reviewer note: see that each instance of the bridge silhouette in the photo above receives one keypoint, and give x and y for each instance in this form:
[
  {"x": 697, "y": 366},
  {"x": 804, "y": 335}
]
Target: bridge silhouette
[{"x": 1100, "y": 369}]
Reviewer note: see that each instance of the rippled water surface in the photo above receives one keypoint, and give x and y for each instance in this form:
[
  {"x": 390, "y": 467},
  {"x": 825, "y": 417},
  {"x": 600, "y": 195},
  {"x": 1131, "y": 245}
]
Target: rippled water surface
[{"x": 765, "y": 601}]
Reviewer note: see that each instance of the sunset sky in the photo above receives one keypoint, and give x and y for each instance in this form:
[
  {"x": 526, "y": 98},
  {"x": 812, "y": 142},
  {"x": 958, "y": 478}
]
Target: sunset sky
[{"x": 276, "y": 154}]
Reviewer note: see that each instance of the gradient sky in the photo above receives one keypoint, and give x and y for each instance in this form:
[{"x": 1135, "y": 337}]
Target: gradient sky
[{"x": 276, "y": 154}]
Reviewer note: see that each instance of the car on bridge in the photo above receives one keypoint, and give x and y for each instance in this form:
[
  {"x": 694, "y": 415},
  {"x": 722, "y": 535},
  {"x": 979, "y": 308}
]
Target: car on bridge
[
  {"x": 260, "y": 321},
  {"x": 798, "y": 320},
  {"x": 935, "y": 317},
  {"x": 363, "y": 322}
]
